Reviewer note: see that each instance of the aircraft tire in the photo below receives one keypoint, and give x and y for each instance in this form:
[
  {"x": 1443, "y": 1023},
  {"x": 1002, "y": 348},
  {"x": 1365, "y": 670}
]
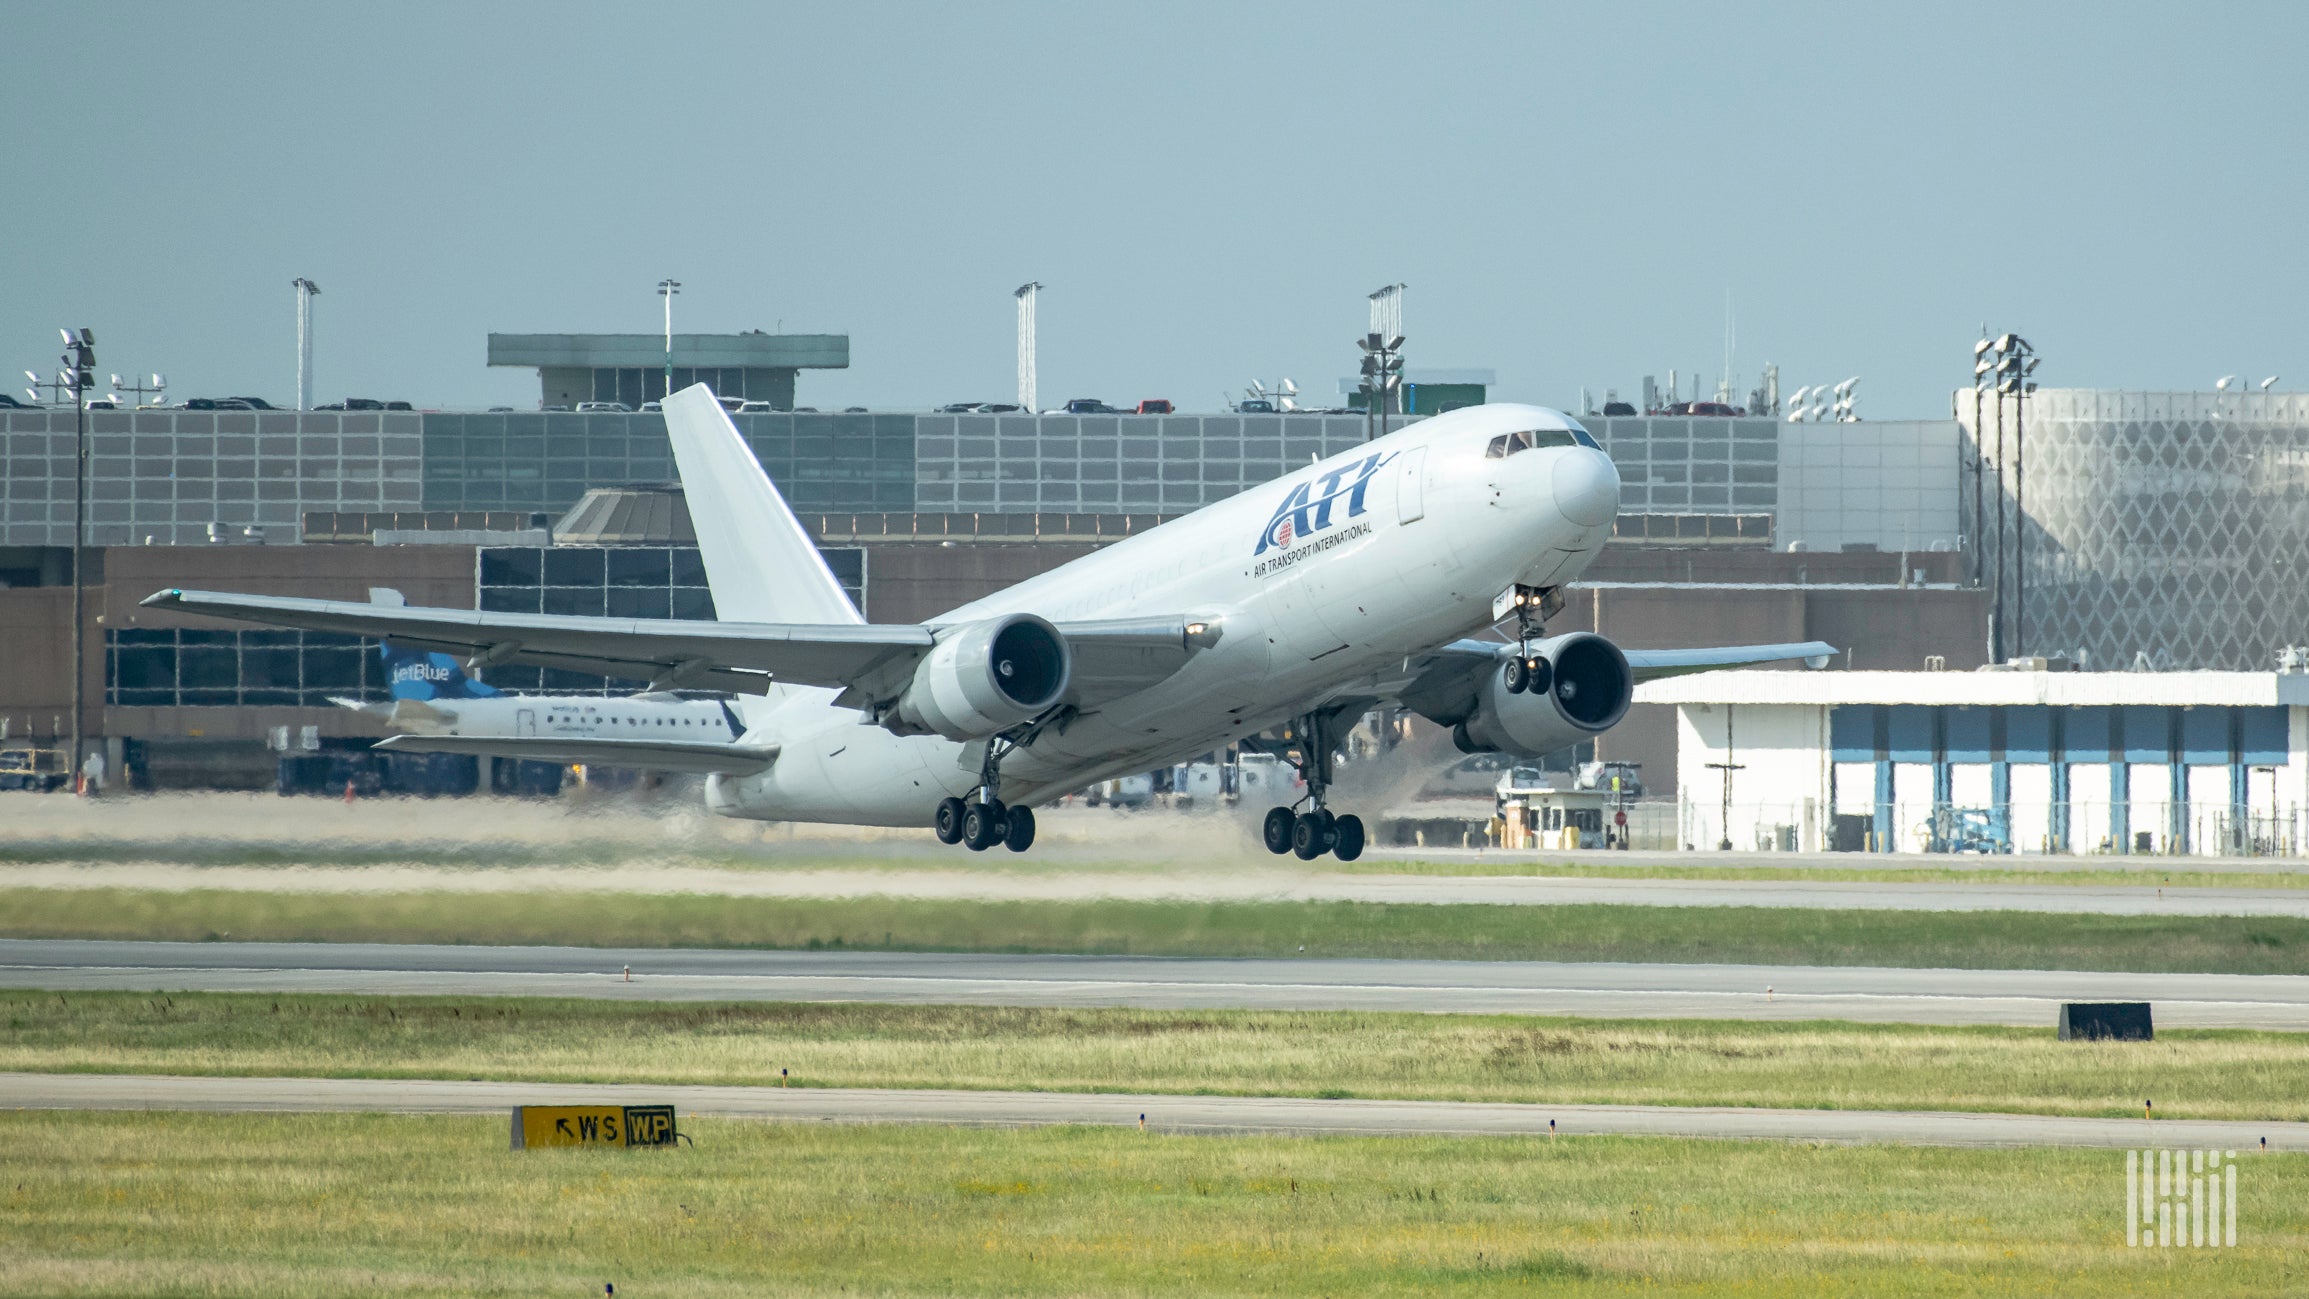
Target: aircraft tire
[
  {"x": 1018, "y": 829},
  {"x": 1310, "y": 836},
  {"x": 982, "y": 825},
  {"x": 1277, "y": 830},
  {"x": 1347, "y": 837},
  {"x": 1542, "y": 676},
  {"x": 1516, "y": 676},
  {"x": 948, "y": 822}
]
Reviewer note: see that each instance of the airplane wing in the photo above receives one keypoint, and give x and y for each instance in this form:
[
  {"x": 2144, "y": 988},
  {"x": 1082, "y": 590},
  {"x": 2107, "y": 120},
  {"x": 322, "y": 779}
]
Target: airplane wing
[
  {"x": 870, "y": 662},
  {"x": 1443, "y": 682},
  {"x": 698, "y": 756}
]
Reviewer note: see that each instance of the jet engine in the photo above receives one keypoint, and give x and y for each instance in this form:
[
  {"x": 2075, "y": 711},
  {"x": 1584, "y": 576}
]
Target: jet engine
[
  {"x": 985, "y": 677},
  {"x": 1575, "y": 686}
]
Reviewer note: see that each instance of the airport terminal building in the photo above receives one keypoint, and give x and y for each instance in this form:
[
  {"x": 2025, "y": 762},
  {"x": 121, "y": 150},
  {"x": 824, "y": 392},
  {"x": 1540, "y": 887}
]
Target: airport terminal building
[{"x": 1752, "y": 529}]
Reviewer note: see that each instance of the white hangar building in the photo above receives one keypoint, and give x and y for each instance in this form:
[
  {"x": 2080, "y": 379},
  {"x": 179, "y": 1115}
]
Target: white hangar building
[{"x": 2001, "y": 760}]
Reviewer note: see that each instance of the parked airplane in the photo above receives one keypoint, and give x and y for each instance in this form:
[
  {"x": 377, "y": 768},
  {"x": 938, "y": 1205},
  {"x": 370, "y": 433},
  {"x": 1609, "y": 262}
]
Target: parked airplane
[
  {"x": 433, "y": 696},
  {"x": 1289, "y": 609}
]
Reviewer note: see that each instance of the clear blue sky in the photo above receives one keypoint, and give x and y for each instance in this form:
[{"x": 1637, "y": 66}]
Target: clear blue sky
[{"x": 1208, "y": 191}]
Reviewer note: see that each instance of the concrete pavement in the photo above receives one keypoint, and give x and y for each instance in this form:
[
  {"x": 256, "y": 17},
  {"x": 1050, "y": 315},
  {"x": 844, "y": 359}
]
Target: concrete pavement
[
  {"x": 1292, "y": 1116},
  {"x": 1602, "y": 989}
]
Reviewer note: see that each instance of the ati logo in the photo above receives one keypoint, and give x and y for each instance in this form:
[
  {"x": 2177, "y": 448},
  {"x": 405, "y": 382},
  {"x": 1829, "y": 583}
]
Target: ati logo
[{"x": 1308, "y": 508}]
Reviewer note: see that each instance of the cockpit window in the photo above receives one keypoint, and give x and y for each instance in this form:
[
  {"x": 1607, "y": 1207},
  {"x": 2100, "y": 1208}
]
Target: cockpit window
[{"x": 1507, "y": 444}]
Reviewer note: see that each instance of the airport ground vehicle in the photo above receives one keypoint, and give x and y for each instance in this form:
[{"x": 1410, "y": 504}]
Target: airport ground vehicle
[
  {"x": 39, "y": 770},
  {"x": 1155, "y": 406},
  {"x": 603, "y": 408}
]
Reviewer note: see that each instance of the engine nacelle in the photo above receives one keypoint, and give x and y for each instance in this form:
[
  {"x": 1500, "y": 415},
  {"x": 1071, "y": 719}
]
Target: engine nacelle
[
  {"x": 1583, "y": 688},
  {"x": 984, "y": 678}
]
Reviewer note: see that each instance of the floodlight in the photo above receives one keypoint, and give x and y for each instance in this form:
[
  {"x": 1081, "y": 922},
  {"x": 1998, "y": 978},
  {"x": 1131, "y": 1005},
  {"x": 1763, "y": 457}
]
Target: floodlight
[
  {"x": 2003, "y": 341},
  {"x": 2222, "y": 384},
  {"x": 1981, "y": 346},
  {"x": 1396, "y": 344},
  {"x": 2267, "y": 383}
]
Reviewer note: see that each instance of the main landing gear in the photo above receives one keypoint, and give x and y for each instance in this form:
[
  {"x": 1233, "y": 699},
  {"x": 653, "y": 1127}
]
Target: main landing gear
[
  {"x": 1528, "y": 671},
  {"x": 1309, "y": 834},
  {"x": 984, "y": 821}
]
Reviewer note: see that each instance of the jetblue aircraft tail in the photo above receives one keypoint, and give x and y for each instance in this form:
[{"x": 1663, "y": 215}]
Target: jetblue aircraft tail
[
  {"x": 760, "y": 563},
  {"x": 413, "y": 674}
]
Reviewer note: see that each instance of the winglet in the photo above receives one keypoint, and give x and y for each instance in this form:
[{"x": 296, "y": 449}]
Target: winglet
[{"x": 760, "y": 563}]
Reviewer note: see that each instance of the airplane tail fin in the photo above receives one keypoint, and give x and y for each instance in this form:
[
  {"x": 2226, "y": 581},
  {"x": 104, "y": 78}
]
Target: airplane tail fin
[
  {"x": 412, "y": 674},
  {"x": 760, "y": 563}
]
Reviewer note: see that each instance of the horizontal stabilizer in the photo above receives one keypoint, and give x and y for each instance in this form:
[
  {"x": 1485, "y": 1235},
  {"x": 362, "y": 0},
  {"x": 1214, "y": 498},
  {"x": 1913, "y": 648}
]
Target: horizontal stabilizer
[{"x": 700, "y": 757}]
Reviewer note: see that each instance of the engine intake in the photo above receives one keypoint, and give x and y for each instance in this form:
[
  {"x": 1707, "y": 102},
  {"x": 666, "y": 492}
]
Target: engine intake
[
  {"x": 1583, "y": 687},
  {"x": 986, "y": 677}
]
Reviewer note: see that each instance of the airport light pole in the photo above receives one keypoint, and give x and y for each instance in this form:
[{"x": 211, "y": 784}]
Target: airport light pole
[
  {"x": 1727, "y": 766},
  {"x": 2016, "y": 361},
  {"x": 306, "y": 292},
  {"x": 669, "y": 289},
  {"x": 1982, "y": 363},
  {"x": 80, "y": 368},
  {"x": 1994, "y": 359}
]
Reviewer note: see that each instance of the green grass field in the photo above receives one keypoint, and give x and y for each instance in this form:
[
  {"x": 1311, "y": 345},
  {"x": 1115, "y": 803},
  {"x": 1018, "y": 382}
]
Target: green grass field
[
  {"x": 1759, "y": 935},
  {"x": 183, "y": 1204},
  {"x": 2230, "y": 1074}
]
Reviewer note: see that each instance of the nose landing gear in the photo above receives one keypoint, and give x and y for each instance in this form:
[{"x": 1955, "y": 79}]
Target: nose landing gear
[{"x": 1309, "y": 834}]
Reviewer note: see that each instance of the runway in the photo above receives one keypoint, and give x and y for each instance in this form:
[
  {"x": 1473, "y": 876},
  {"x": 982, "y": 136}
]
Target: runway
[
  {"x": 1258, "y": 881},
  {"x": 1162, "y": 1114},
  {"x": 1599, "y": 989}
]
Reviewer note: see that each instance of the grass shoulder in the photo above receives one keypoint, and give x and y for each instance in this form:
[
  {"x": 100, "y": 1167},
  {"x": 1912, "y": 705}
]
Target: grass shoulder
[
  {"x": 2223, "y": 1074},
  {"x": 328, "y": 1204},
  {"x": 1741, "y": 935}
]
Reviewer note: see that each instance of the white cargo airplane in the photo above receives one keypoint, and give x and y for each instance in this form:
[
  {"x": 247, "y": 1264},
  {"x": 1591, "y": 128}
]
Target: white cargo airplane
[{"x": 1289, "y": 609}]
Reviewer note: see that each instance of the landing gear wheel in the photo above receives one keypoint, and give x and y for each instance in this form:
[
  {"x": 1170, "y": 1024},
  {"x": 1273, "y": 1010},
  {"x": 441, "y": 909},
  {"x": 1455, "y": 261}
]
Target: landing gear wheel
[
  {"x": 1516, "y": 676},
  {"x": 1277, "y": 830},
  {"x": 948, "y": 822},
  {"x": 1311, "y": 835},
  {"x": 1018, "y": 829},
  {"x": 1539, "y": 675},
  {"x": 1347, "y": 837},
  {"x": 982, "y": 825}
]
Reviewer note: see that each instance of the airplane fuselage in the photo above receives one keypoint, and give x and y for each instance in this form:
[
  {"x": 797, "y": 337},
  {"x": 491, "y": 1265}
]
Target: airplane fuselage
[
  {"x": 1317, "y": 583},
  {"x": 570, "y": 717}
]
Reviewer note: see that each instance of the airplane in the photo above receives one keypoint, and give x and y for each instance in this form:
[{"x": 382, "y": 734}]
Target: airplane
[
  {"x": 432, "y": 696},
  {"x": 1353, "y": 583}
]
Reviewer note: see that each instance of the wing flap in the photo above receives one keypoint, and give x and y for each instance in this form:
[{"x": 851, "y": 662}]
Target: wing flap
[
  {"x": 694, "y": 756},
  {"x": 736, "y": 656},
  {"x": 872, "y": 663}
]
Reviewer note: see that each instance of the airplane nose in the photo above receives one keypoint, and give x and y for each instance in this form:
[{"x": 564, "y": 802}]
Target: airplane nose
[{"x": 1587, "y": 487}]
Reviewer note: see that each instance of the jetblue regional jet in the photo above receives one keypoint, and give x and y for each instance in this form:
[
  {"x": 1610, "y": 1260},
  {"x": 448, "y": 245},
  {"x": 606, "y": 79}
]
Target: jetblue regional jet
[
  {"x": 1285, "y": 611},
  {"x": 434, "y": 698}
]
